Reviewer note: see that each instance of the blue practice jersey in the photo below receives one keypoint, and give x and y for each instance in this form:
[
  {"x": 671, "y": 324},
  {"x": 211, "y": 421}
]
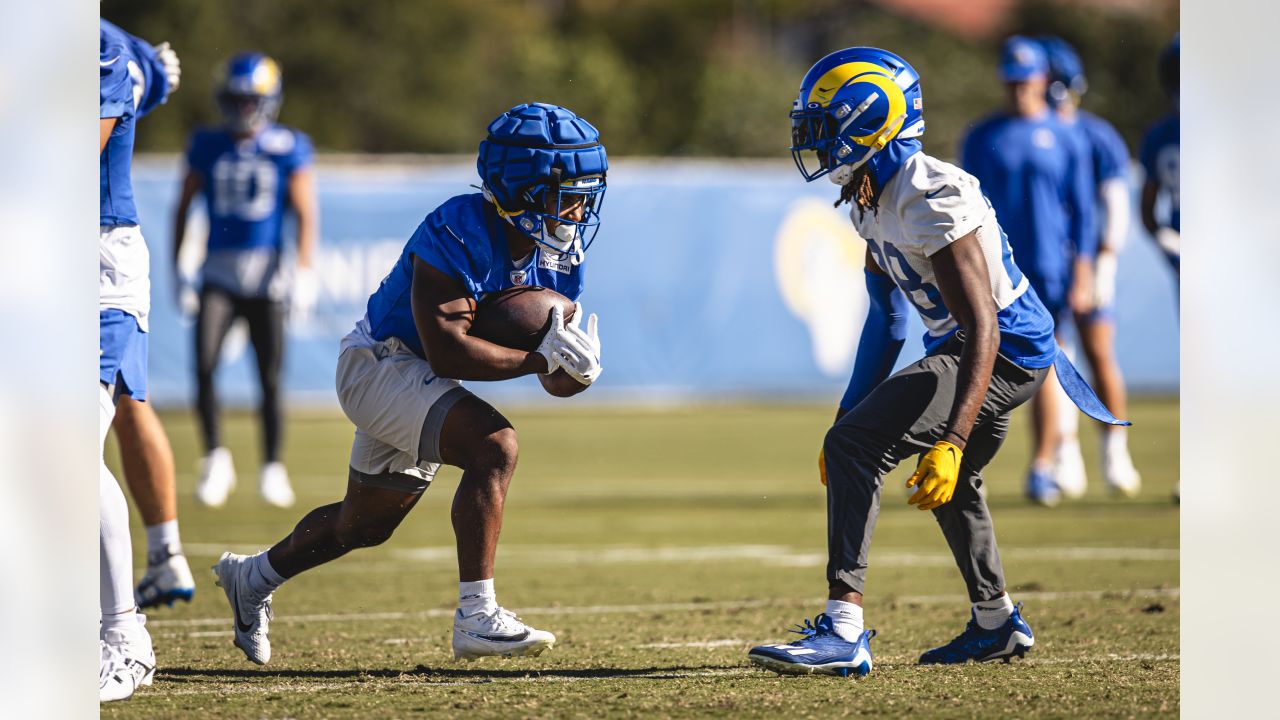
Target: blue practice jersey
[
  {"x": 1038, "y": 177},
  {"x": 465, "y": 239},
  {"x": 246, "y": 183},
  {"x": 1160, "y": 158},
  {"x": 131, "y": 83},
  {"x": 1108, "y": 156}
]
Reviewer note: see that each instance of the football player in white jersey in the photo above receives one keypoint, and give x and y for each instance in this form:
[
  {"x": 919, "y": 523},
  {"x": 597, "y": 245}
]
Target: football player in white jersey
[{"x": 933, "y": 243}]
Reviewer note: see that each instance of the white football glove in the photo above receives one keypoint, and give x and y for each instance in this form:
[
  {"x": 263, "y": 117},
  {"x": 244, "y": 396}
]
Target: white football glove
[
  {"x": 187, "y": 297},
  {"x": 172, "y": 68},
  {"x": 567, "y": 347},
  {"x": 1170, "y": 241},
  {"x": 306, "y": 291},
  {"x": 1104, "y": 279},
  {"x": 589, "y": 370}
]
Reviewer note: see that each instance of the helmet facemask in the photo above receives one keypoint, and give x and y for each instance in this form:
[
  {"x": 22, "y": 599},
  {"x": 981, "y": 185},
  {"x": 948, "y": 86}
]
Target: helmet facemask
[
  {"x": 247, "y": 113},
  {"x": 822, "y": 132},
  {"x": 553, "y": 205}
]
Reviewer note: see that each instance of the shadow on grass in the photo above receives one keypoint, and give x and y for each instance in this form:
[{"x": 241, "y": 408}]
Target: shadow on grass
[{"x": 479, "y": 675}]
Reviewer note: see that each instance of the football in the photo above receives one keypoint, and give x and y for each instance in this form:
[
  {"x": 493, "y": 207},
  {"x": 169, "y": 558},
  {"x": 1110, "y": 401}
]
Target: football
[{"x": 518, "y": 318}]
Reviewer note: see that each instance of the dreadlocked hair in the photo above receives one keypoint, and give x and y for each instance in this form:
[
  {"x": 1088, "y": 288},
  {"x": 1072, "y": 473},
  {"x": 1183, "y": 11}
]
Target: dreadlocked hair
[{"x": 860, "y": 191}]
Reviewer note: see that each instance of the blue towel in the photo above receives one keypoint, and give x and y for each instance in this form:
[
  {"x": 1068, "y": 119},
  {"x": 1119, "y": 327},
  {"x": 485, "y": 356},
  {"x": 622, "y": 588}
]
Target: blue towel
[{"x": 1080, "y": 392}]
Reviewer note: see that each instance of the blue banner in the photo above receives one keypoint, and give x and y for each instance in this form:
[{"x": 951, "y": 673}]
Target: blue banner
[{"x": 711, "y": 279}]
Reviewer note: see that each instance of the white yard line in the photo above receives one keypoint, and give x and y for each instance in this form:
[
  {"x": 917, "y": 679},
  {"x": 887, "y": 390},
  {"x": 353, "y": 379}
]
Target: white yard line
[
  {"x": 670, "y": 607},
  {"x": 769, "y": 554}
]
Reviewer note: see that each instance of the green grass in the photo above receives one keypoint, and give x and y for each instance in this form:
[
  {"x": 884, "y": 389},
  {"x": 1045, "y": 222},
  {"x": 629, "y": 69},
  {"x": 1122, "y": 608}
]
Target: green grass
[{"x": 596, "y": 492}]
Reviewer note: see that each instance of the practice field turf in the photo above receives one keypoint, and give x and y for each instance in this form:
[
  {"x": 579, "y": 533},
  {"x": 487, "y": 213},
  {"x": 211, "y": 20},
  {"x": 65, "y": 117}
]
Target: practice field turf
[{"x": 659, "y": 546}]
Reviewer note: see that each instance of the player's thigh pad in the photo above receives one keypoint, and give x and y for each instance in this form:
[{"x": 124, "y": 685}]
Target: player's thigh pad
[
  {"x": 396, "y": 402},
  {"x": 122, "y": 353}
]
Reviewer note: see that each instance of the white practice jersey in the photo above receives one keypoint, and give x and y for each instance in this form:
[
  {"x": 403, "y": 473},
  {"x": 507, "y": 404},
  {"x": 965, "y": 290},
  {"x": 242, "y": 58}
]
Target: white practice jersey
[
  {"x": 927, "y": 205},
  {"x": 124, "y": 272}
]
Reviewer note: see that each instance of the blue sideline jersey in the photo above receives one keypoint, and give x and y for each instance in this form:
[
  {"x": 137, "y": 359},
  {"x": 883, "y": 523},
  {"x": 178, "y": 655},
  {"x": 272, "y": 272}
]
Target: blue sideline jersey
[
  {"x": 465, "y": 239},
  {"x": 131, "y": 83},
  {"x": 1038, "y": 177},
  {"x": 1160, "y": 159},
  {"x": 246, "y": 183},
  {"x": 1108, "y": 156}
]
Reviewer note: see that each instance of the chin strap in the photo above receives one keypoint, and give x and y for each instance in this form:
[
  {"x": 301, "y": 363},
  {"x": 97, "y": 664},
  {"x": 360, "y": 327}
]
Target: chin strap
[{"x": 574, "y": 249}]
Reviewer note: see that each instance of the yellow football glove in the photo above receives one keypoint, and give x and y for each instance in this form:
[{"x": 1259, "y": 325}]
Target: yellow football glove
[
  {"x": 936, "y": 476},
  {"x": 822, "y": 466}
]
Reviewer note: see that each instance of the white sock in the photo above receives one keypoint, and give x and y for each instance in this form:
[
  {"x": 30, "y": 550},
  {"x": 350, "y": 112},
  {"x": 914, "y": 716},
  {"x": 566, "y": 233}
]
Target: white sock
[
  {"x": 992, "y": 614},
  {"x": 115, "y": 550},
  {"x": 126, "y": 622},
  {"x": 263, "y": 579},
  {"x": 847, "y": 619},
  {"x": 476, "y": 595},
  {"x": 162, "y": 540}
]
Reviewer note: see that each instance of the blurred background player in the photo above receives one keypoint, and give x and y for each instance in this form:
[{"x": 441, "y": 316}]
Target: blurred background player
[
  {"x": 543, "y": 171},
  {"x": 1109, "y": 162},
  {"x": 134, "y": 78},
  {"x": 1037, "y": 176},
  {"x": 251, "y": 170},
  {"x": 1159, "y": 158}
]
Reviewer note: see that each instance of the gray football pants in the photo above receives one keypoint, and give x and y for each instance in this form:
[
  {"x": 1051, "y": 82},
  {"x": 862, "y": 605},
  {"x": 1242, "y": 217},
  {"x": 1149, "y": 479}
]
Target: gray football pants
[{"x": 904, "y": 416}]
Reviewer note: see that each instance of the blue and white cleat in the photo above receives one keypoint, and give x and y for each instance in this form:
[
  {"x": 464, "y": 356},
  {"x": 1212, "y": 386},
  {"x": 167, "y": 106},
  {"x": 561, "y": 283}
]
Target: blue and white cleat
[
  {"x": 1042, "y": 489},
  {"x": 821, "y": 652},
  {"x": 1013, "y": 639},
  {"x": 168, "y": 579}
]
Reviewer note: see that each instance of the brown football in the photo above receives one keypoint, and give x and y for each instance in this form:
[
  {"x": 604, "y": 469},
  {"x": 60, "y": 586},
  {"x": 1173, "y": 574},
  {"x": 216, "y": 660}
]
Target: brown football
[{"x": 518, "y": 317}]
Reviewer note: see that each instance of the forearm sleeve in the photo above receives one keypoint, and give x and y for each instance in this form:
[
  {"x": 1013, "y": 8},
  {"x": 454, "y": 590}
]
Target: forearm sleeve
[{"x": 883, "y": 335}]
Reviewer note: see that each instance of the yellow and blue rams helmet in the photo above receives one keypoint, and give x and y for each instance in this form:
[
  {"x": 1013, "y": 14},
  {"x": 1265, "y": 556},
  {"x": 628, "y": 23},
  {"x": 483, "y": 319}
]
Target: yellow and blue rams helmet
[
  {"x": 852, "y": 104},
  {"x": 250, "y": 92}
]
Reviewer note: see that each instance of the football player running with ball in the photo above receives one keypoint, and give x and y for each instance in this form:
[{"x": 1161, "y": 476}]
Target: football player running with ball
[
  {"x": 543, "y": 172},
  {"x": 932, "y": 242}
]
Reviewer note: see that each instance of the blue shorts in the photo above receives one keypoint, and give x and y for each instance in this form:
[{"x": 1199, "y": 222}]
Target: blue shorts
[{"x": 122, "y": 353}]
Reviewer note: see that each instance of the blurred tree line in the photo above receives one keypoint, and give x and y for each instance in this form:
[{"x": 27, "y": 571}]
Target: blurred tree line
[{"x": 658, "y": 77}]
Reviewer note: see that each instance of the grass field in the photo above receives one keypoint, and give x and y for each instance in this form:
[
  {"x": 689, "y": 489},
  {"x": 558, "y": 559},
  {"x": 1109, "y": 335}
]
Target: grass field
[{"x": 659, "y": 546}]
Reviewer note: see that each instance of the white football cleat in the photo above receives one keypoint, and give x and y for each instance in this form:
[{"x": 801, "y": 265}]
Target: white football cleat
[
  {"x": 127, "y": 662},
  {"x": 252, "y": 614},
  {"x": 115, "y": 680},
  {"x": 1117, "y": 467},
  {"x": 1068, "y": 470},
  {"x": 273, "y": 484},
  {"x": 168, "y": 579},
  {"x": 217, "y": 478},
  {"x": 497, "y": 632}
]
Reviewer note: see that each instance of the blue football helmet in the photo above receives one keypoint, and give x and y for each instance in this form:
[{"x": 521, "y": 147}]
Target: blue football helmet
[
  {"x": 852, "y": 104},
  {"x": 1066, "y": 72},
  {"x": 538, "y": 163},
  {"x": 250, "y": 93}
]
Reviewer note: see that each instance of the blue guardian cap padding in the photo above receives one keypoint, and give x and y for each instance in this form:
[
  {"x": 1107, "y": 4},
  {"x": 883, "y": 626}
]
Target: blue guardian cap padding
[{"x": 535, "y": 149}]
